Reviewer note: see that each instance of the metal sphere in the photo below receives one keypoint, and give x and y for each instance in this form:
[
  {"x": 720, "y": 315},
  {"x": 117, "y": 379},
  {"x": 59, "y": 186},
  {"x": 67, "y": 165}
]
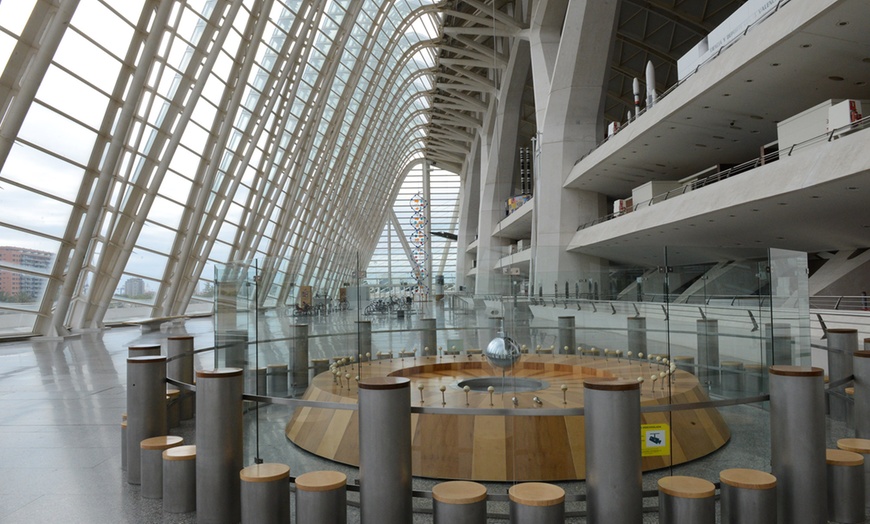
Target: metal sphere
[{"x": 502, "y": 352}]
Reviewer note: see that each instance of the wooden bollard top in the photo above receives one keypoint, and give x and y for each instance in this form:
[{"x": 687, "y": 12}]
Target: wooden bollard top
[
  {"x": 162, "y": 442},
  {"x": 609, "y": 384},
  {"x": 855, "y": 445},
  {"x": 862, "y": 354},
  {"x": 536, "y": 494},
  {"x": 686, "y": 487},
  {"x": 747, "y": 478},
  {"x": 321, "y": 481},
  {"x": 841, "y": 457},
  {"x": 180, "y": 453},
  {"x": 459, "y": 492},
  {"x": 796, "y": 371},
  {"x": 267, "y": 472},
  {"x": 219, "y": 373}
]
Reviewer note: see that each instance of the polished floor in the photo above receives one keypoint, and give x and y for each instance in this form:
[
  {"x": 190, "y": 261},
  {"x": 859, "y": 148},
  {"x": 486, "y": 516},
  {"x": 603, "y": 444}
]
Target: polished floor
[{"x": 62, "y": 401}]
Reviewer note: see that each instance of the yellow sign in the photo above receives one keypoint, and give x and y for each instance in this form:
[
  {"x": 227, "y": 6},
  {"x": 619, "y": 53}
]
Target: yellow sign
[{"x": 655, "y": 440}]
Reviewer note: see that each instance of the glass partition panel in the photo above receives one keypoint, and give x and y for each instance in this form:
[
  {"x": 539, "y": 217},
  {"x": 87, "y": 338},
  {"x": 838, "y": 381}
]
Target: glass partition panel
[{"x": 691, "y": 330}]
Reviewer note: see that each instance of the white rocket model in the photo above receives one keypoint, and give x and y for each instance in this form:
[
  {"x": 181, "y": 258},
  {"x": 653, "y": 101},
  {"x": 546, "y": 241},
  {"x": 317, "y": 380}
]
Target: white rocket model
[
  {"x": 650, "y": 85},
  {"x": 635, "y": 86}
]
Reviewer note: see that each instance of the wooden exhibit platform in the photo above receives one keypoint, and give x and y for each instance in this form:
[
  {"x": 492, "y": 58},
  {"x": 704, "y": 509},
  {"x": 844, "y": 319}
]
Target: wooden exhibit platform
[{"x": 504, "y": 448}]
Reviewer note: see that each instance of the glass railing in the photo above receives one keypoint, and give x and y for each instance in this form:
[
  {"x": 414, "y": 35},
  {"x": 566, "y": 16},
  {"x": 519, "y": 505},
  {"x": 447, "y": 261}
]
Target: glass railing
[{"x": 698, "y": 335}]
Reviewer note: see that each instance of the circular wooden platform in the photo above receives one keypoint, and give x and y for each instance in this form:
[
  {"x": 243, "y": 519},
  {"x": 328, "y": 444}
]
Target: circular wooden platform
[{"x": 505, "y": 448}]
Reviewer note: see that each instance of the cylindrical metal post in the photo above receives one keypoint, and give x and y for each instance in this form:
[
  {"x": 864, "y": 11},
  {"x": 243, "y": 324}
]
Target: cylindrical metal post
[
  {"x": 179, "y": 366},
  {"x": 428, "y": 337},
  {"x": 862, "y": 447},
  {"x": 152, "y": 463},
  {"x": 299, "y": 357},
  {"x": 686, "y": 500},
  {"x": 536, "y": 503},
  {"x": 708, "y": 351},
  {"x": 797, "y": 442},
  {"x": 637, "y": 335},
  {"x": 321, "y": 496},
  {"x": 364, "y": 337},
  {"x": 845, "y": 486},
  {"x": 842, "y": 344},
  {"x": 748, "y": 496},
  {"x": 732, "y": 376},
  {"x": 459, "y": 502},
  {"x": 614, "y": 488},
  {"x": 277, "y": 374},
  {"x": 236, "y": 348},
  {"x": 318, "y": 366},
  {"x": 861, "y": 407},
  {"x": 179, "y": 479},
  {"x": 218, "y": 445},
  {"x": 146, "y": 407},
  {"x": 265, "y": 494},
  {"x": 385, "y": 450},
  {"x": 567, "y": 336},
  {"x": 777, "y": 344}
]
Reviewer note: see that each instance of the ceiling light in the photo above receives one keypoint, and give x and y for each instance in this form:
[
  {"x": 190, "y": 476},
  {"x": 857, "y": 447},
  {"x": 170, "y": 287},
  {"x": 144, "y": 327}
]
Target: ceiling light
[
  {"x": 775, "y": 64},
  {"x": 836, "y": 78}
]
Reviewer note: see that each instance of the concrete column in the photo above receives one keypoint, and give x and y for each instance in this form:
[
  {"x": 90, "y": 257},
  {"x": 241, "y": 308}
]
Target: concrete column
[
  {"x": 842, "y": 344},
  {"x": 299, "y": 357},
  {"x": 218, "y": 445},
  {"x": 797, "y": 442},
  {"x": 777, "y": 344},
  {"x": 364, "y": 337},
  {"x": 708, "y": 351},
  {"x": 637, "y": 335},
  {"x": 614, "y": 488},
  {"x": 179, "y": 351},
  {"x": 861, "y": 409},
  {"x": 385, "y": 450},
  {"x": 567, "y": 336},
  {"x": 428, "y": 337},
  {"x": 146, "y": 407}
]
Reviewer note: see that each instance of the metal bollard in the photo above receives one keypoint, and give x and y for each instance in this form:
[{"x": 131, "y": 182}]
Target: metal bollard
[
  {"x": 179, "y": 366},
  {"x": 612, "y": 452},
  {"x": 537, "y": 503},
  {"x": 321, "y": 496},
  {"x": 845, "y": 473},
  {"x": 299, "y": 358},
  {"x": 265, "y": 494},
  {"x": 567, "y": 336},
  {"x": 797, "y": 407},
  {"x": 385, "y": 450},
  {"x": 842, "y": 344},
  {"x": 179, "y": 479},
  {"x": 459, "y": 502},
  {"x": 146, "y": 407},
  {"x": 218, "y": 445},
  {"x": 747, "y": 496},
  {"x": 708, "y": 351},
  {"x": 637, "y": 335},
  {"x": 686, "y": 500},
  {"x": 861, "y": 406}
]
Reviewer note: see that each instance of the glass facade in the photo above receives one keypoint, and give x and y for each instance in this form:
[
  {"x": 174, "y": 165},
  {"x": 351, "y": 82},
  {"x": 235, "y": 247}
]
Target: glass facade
[{"x": 145, "y": 142}]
